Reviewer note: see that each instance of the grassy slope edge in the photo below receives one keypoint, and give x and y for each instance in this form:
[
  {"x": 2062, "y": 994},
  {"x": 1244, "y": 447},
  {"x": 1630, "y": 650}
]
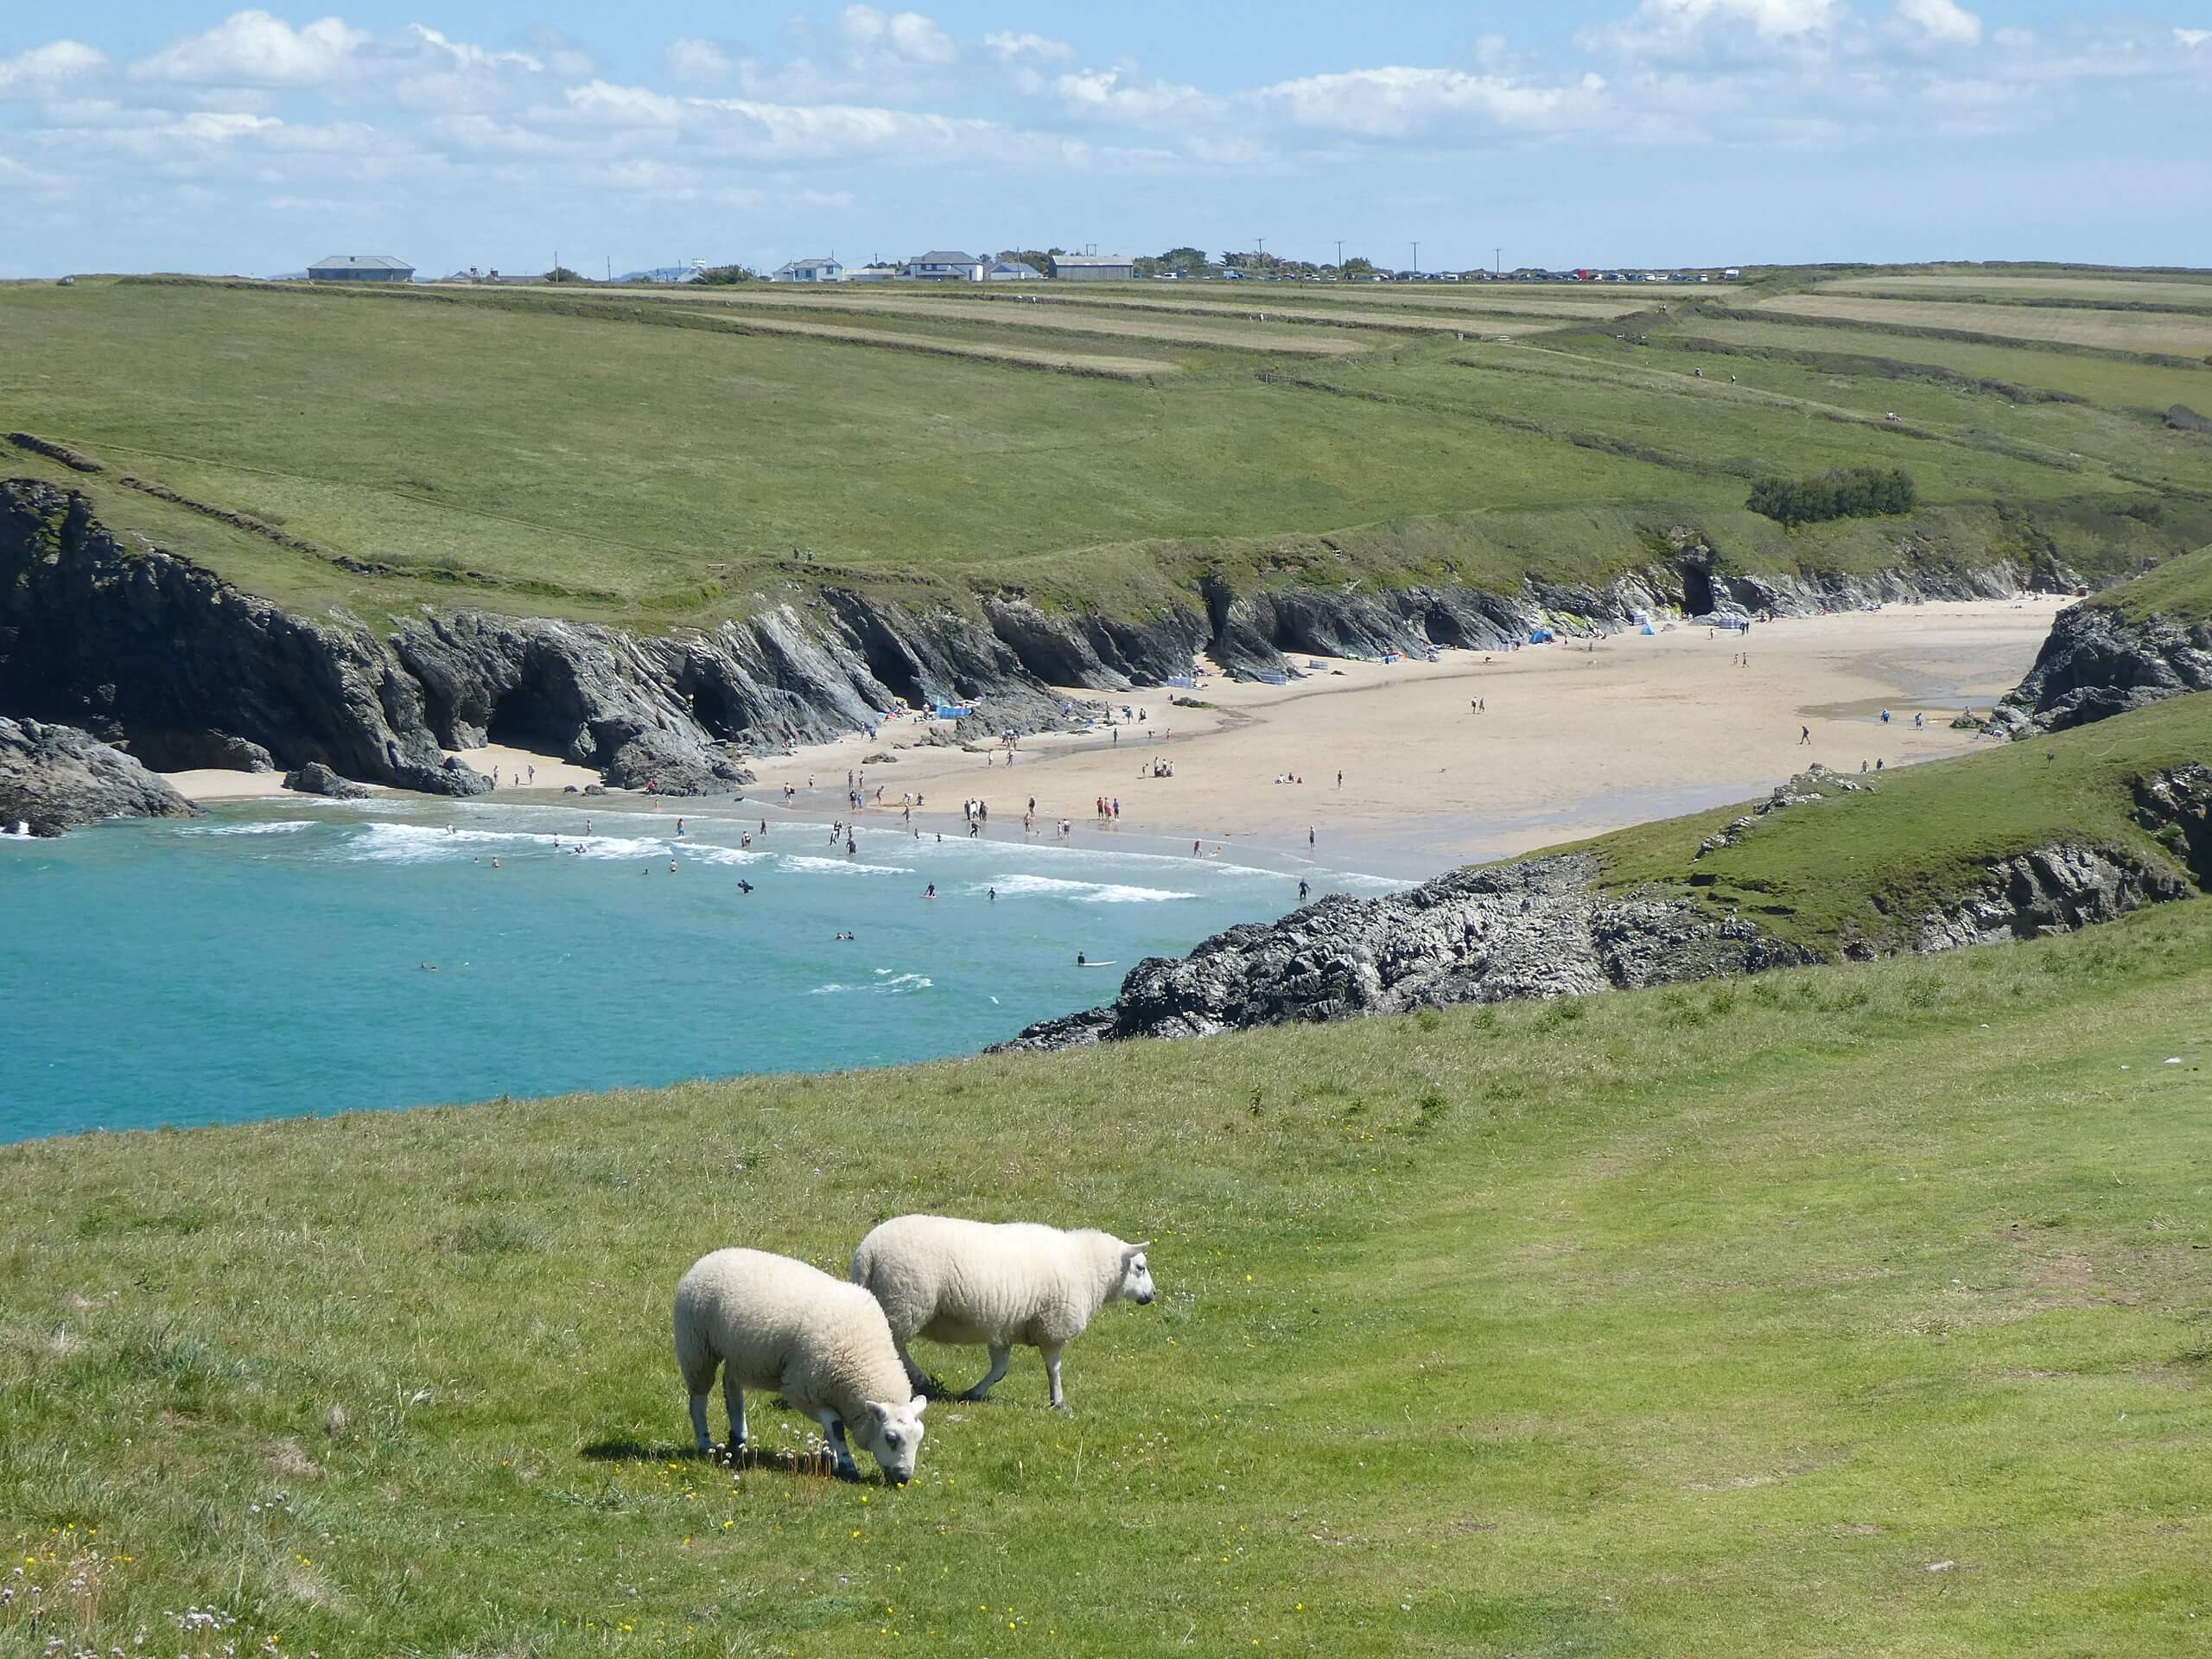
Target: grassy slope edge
[
  {"x": 1865, "y": 866},
  {"x": 1847, "y": 1310}
]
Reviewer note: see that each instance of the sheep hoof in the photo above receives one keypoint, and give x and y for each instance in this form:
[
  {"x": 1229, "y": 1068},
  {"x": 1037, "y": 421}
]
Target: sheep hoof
[{"x": 974, "y": 1396}]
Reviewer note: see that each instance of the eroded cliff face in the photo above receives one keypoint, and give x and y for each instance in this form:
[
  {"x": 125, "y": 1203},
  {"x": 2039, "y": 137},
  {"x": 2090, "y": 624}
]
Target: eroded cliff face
[
  {"x": 141, "y": 646},
  {"x": 2096, "y": 663}
]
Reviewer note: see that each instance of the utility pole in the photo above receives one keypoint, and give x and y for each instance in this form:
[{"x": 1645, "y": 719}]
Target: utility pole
[
  {"x": 1340, "y": 257},
  {"x": 1416, "y": 256},
  {"x": 1263, "y": 249},
  {"x": 1498, "y": 262}
]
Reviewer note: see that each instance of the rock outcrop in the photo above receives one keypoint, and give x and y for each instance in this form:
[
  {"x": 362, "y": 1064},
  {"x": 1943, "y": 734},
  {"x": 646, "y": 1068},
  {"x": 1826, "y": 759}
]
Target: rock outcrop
[
  {"x": 2050, "y": 890},
  {"x": 56, "y": 778},
  {"x": 1542, "y": 927},
  {"x": 2097, "y": 662},
  {"x": 316, "y": 779},
  {"x": 1536, "y": 928}
]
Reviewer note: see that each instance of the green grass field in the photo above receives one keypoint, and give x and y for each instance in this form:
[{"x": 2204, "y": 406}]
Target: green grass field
[
  {"x": 1840, "y": 1312},
  {"x": 652, "y": 458}
]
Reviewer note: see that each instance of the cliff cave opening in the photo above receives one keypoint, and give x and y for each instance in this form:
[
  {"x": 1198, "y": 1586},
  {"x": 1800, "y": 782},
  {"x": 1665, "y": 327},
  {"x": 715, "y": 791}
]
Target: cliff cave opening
[{"x": 1697, "y": 588}]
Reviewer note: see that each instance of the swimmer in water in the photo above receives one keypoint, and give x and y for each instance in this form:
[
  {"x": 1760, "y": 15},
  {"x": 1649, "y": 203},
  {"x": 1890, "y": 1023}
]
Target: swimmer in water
[
  {"x": 671, "y": 867},
  {"x": 992, "y": 893},
  {"x": 495, "y": 863},
  {"x": 426, "y": 967},
  {"x": 932, "y": 893},
  {"x": 745, "y": 886}
]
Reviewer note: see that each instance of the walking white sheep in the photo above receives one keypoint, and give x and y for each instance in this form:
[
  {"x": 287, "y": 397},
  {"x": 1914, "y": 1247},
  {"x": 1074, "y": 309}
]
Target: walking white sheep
[
  {"x": 769, "y": 1322},
  {"x": 996, "y": 1284}
]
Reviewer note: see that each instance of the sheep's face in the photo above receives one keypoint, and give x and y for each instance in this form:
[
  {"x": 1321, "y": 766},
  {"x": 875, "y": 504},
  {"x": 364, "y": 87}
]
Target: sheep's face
[
  {"x": 1136, "y": 1275},
  {"x": 892, "y": 1434}
]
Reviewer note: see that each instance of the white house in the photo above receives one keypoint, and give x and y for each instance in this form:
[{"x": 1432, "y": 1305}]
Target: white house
[
  {"x": 946, "y": 265},
  {"x": 1012, "y": 270},
  {"x": 821, "y": 268}
]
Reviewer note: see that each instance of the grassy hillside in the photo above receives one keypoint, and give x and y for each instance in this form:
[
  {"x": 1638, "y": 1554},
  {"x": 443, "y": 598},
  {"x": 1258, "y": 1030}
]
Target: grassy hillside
[
  {"x": 1842, "y": 1312},
  {"x": 1867, "y": 865},
  {"x": 2180, "y": 589},
  {"x": 656, "y": 456}
]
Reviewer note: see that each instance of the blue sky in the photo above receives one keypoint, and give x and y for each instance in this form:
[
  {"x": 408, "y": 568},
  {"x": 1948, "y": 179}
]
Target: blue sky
[{"x": 173, "y": 135}]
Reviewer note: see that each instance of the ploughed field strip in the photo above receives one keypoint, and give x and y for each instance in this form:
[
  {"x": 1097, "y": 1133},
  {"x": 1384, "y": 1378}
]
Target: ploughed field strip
[
  {"x": 2177, "y": 333},
  {"x": 1125, "y": 367},
  {"x": 2147, "y": 290},
  {"x": 1167, "y": 330},
  {"x": 2077, "y": 373}
]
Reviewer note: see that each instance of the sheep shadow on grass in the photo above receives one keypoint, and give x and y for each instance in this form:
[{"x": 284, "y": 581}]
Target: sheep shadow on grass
[{"x": 819, "y": 1463}]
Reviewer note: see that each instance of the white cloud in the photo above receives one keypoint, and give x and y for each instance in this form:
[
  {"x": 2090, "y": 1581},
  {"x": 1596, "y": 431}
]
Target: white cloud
[
  {"x": 44, "y": 67},
  {"x": 1101, "y": 92},
  {"x": 1940, "y": 23},
  {"x": 784, "y": 132},
  {"x": 1399, "y": 101},
  {"x": 257, "y": 49},
  {"x": 697, "y": 63},
  {"x": 466, "y": 56},
  {"x": 1009, "y": 48},
  {"x": 1661, "y": 27},
  {"x": 906, "y": 36},
  {"x": 2191, "y": 39}
]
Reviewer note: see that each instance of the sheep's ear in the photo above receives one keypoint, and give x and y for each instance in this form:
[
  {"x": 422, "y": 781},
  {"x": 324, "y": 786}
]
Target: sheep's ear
[
  {"x": 921, "y": 1404},
  {"x": 1135, "y": 1249},
  {"x": 878, "y": 1411}
]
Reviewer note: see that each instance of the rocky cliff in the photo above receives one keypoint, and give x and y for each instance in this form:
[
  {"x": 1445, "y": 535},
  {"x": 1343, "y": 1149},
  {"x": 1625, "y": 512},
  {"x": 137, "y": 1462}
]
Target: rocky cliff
[
  {"x": 140, "y": 645},
  {"x": 2097, "y": 662},
  {"x": 56, "y": 778},
  {"x": 1543, "y": 927},
  {"x": 1537, "y": 928}
]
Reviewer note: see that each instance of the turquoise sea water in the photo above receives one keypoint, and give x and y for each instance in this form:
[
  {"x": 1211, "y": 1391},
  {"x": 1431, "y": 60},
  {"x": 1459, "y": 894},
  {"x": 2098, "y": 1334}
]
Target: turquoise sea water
[{"x": 269, "y": 959}]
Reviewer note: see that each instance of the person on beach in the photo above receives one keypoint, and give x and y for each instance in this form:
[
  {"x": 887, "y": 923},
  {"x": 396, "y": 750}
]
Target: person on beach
[
  {"x": 1804, "y": 736},
  {"x": 1919, "y": 722},
  {"x": 1340, "y": 779},
  {"x": 1194, "y": 848},
  {"x": 1302, "y": 889},
  {"x": 1310, "y": 837},
  {"x": 679, "y": 826},
  {"x": 533, "y": 774}
]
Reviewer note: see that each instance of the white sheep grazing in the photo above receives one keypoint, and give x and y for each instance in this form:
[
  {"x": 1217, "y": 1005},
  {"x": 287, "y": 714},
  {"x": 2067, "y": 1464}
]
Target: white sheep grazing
[
  {"x": 771, "y": 1322},
  {"x": 996, "y": 1284}
]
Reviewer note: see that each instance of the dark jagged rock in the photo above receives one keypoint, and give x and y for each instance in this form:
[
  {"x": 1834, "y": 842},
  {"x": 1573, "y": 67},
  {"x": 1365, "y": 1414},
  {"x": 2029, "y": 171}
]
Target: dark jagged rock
[
  {"x": 316, "y": 779},
  {"x": 2096, "y": 663},
  {"x": 1536, "y": 928},
  {"x": 2050, "y": 890},
  {"x": 55, "y": 777}
]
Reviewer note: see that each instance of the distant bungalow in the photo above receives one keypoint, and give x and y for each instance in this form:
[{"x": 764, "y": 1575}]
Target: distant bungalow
[
  {"x": 820, "y": 270},
  {"x": 360, "y": 268}
]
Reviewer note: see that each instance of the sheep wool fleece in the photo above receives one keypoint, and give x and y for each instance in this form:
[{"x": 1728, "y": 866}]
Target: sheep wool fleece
[
  {"x": 995, "y": 1284},
  {"x": 778, "y": 1323}
]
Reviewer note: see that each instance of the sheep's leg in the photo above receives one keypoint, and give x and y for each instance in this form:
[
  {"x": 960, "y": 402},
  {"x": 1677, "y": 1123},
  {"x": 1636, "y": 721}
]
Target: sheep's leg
[
  {"x": 1001, "y": 1359},
  {"x": 917, "y": 1378},
  {"x": 834, "y": 1426},
  {"x": 733, "y": 1397},
  {"x": 699, "y": 1436},
  {"x": 1053, "y": 1371}
]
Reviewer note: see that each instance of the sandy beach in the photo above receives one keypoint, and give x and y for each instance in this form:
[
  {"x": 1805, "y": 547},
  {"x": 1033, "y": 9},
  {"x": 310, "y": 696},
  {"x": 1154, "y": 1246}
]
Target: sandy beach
[{"x": 1568, "y": 741}]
